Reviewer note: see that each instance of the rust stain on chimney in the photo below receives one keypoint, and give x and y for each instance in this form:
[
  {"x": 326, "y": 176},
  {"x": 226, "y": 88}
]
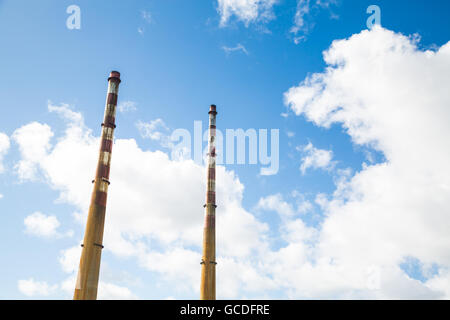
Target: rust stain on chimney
[
  {"x": 88, "y": 273},
  {"x": 208, "y": 276}
]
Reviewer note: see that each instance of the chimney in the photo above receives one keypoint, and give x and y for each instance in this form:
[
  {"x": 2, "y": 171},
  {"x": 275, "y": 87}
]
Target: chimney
[
  {"x": 208, "y": 278},
  {"x": 88, "y": 273}
]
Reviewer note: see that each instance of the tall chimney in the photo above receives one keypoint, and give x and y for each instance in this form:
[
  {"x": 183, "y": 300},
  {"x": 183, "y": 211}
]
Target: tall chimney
[
  {"x": 88, "y": 273},
  {"x": 208, "y": 279}
]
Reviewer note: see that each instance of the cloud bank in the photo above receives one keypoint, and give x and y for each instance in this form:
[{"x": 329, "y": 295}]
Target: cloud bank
[{"x": 389, "y": 95}]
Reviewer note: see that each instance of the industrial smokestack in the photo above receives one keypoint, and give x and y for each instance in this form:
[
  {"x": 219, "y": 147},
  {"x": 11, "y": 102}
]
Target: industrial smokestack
[
  {"x": 208, "y": 279},
  {"x": 88, "y": 273}
]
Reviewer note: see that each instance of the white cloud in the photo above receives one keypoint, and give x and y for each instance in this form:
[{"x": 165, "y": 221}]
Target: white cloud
[
  {"x": 127, "y": 106},
  {"x": 276, "y": 203},
  {"x": 69, "y": 259},
  {"x": 315, "y": 158},
  {"x": 66, "y": 112},
  {"x": 375, "y": 217},
  {"x": 4, "y": 148},
  {"x": 441, "y": 283},
  {"x": 238, "y": 47},
  {"x": 32, "y": 288},
  {"x": 293, "y": 228},
  {"x": 34, "y": 142},
  {"x": 109, "y": 291},
  {"x": 235, "y": 277},
  {"x": 247, "y": 11},
  {"x": 41, "y": 225},
  {"x": 261, "y": 11},
  {"x": 285, "y": 209},
  {"x": 304, "y": 10},
  {"x": 154, "y": 130},
  {"x": 167, "y": 263}
]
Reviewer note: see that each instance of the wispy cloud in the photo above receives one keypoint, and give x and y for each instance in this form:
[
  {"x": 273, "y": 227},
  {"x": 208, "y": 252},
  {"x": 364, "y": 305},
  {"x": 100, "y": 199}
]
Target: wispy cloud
[
  {"x": 303, "y": 8},
  {"x": 33, "y": 140},
  {"x": 238, "y": 47},
  {"x": 127, "y": 106},
  {"x": 32, "y": 288},
  {"x": 247, "y": 11},
  {"x": 64, "y": 110},
  {"x": 147, "y": 18},
  {"x": 155, "y": 130}
]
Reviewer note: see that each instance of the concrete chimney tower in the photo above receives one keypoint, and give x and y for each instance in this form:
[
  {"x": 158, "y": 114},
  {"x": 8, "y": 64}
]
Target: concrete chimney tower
[
  {"x": 208, "y": 279},
  {"x": 88, "y": 273}
]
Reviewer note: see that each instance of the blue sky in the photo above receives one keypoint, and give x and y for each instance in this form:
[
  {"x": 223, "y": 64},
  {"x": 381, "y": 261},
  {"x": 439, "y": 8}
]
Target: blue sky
[{"x": 176, "y": 58}]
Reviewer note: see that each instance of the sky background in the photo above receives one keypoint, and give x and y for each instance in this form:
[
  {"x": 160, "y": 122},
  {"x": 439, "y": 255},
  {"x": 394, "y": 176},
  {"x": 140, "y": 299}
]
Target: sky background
[{"x": 358, "y": 209}]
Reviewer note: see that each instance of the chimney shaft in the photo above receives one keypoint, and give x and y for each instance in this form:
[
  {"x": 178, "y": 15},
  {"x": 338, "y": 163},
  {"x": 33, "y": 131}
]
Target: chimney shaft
[
  {"x": 208, "y": 278},
  {"x": 88, "y": 273}
]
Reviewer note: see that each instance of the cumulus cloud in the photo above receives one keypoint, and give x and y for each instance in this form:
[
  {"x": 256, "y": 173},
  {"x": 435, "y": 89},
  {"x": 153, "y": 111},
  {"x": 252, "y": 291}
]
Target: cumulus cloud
[
  {"x": 315, "y": 158},
  {"x": 399, "y": 208},
  {"x": 41, "y": 225},
  {"x": 302, "y": 25},
  {"x": 32, "y": 288},
  {"x": 247, "y": 11},
  {"x": 69, "y": 259},
  {"x": 33, "y": 140},
  {"x": 276, "y": 203}
]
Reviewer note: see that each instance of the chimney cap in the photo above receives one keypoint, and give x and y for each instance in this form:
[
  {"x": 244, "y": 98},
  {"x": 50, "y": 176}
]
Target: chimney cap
[
  {"x": 114, "y": 75},
  {"x": 212, "y": 109}
]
